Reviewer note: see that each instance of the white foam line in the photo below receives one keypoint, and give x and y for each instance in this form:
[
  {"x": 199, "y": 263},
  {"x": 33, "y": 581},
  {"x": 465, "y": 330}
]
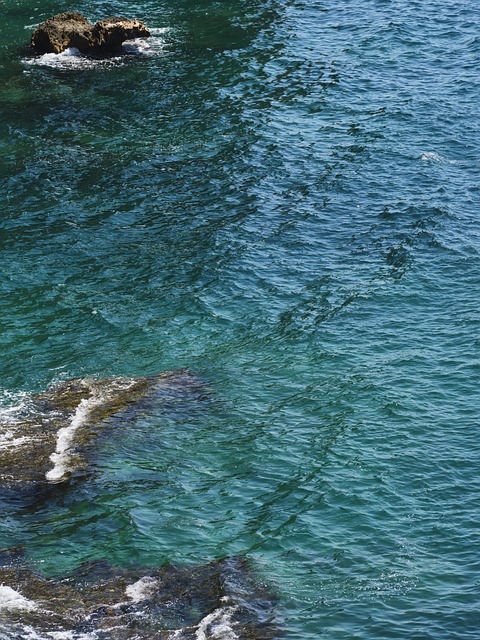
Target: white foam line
[
  {"x": 29, "y": 633},
  {"x": 61, "y": 458},
  {"x": 69, "y": 59},
  {"x": 70, "y": 635}
]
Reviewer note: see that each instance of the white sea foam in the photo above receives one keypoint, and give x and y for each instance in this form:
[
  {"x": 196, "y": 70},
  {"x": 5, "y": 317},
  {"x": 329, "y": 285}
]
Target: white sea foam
[
  {"x": 142, "y": 589},
  {"x": 158, "y": 31},
  {"x": 10, "y": 423},
  {"x": 217, "y": 625},
  {"x": 61, "y": 458},
  {"x": 153, "y": 45},
  {"x": 11, "y": 600},
  {"x": 67, "y": 59},
  {"x": 433, "y": 156},
  {"x": 71, "y": 59}
]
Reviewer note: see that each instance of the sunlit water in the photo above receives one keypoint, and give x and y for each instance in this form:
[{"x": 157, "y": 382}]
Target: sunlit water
[{"x": 282, "y": 197}]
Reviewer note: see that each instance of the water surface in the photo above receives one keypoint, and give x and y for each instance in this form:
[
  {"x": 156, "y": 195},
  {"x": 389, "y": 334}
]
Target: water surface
[{"x": 282, "y": 197}]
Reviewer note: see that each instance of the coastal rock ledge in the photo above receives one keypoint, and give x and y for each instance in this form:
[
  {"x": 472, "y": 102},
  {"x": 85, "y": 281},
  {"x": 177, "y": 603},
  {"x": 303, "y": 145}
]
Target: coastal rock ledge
[{"x": 71, "y": 29}]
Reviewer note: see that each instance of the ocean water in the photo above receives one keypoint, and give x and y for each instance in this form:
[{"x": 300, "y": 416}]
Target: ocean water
[{"x": 283, "y": 197}]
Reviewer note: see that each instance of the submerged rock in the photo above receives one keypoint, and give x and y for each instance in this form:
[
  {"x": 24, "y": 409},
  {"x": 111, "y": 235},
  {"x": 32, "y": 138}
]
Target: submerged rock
[
  {"x": 49, "y": 440},
  {"x": 71, "y": 29},
  {"x": 221, "y": 599}
]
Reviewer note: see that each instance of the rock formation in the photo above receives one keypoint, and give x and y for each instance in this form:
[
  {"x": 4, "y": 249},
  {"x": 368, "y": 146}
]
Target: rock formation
[
  {"x": 71, "y": 29},
  {"x": 50, "y": 439},
  {"x": 217, "y": 600}
]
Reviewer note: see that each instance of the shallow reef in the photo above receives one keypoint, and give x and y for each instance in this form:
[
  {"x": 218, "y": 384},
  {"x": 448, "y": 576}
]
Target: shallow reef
[
  {"x": 221, "y": 599},
  {"x": 50, "y": 440}
]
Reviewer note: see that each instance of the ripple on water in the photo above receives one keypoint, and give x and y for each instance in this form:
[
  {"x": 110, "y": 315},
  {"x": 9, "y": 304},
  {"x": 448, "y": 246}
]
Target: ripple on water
[{"x": 284, "y": 198}]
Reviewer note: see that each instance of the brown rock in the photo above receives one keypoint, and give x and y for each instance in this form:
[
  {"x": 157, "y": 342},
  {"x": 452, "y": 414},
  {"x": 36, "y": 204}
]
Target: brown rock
[
  {"x": 71, "y": 29},
  {"x": 109, "y": 34}
]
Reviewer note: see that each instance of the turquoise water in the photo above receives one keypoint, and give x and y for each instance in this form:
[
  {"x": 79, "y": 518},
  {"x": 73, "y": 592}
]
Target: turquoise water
[{"x": 282, "y": 197}]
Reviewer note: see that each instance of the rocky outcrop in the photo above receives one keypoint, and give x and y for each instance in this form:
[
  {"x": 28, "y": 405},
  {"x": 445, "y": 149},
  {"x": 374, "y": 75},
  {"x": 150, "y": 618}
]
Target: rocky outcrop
[
  {"x": 71, "y": 29},
  {"x": 51, "y": 438},
  {"x": 221, "y": 599}
]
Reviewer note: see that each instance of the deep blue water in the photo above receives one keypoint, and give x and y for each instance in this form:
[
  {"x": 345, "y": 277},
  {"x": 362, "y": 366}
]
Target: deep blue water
[{"x": 284, "y": 198}]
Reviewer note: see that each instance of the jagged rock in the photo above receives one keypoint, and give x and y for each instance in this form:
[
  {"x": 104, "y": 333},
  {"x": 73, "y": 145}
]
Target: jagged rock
[
  {"x": 50, "y": 439},
  {"x": 221, "y": 599},
  {"x": 71, "y": 29}
]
